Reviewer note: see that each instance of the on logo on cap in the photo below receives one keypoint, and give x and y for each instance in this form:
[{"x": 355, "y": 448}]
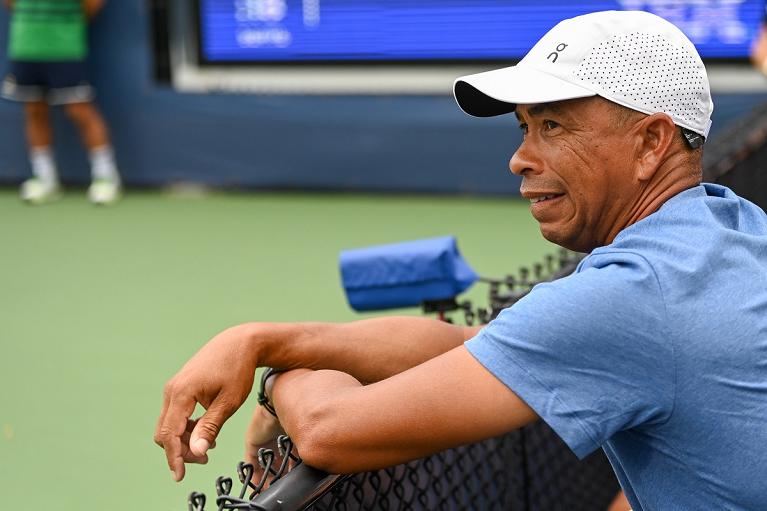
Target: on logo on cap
[{"x": 555, "y": 53}]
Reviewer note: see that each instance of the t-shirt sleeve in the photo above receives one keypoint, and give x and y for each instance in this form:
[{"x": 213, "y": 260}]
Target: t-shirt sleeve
[{"x": 589, "y": 352}]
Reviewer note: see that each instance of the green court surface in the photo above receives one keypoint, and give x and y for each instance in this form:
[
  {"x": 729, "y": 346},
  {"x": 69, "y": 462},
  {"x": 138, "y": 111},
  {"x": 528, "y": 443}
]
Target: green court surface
[{"x": 100, "y": 306}]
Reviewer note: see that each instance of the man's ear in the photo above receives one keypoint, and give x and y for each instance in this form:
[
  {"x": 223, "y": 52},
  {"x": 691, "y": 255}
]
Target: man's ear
[{"x": 656, "y": 135}]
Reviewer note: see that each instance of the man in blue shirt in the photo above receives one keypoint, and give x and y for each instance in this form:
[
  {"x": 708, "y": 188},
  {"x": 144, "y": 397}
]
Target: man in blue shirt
[{"x": 655, "y": 349}]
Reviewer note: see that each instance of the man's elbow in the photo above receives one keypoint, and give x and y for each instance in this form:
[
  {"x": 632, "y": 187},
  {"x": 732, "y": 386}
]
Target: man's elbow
[{"x": 319, "y": 444}]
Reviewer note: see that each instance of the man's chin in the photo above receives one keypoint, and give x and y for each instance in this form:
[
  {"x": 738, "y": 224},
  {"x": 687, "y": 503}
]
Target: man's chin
[
  {"x": 553, "y": 238},
  {"x": 558, "y": 237}
]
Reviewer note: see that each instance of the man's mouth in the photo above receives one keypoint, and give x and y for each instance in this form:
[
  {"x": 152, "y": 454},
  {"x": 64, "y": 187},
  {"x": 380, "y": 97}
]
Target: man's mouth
[
  {"x": 544, "y": 198},
  {"x": 535, "y": 200}
]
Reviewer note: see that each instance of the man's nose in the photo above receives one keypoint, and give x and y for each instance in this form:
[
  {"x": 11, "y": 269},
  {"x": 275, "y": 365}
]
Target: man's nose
[{"x": 523, "y": 161}]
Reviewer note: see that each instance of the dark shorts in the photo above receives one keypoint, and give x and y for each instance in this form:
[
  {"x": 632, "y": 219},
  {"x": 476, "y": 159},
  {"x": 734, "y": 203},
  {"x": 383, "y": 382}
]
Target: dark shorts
[{"x": 56, "y": 83}]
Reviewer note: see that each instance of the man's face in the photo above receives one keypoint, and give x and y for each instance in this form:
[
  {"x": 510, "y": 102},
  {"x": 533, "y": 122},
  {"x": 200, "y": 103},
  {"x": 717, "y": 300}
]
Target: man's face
[{"x": 577, "y": 162}]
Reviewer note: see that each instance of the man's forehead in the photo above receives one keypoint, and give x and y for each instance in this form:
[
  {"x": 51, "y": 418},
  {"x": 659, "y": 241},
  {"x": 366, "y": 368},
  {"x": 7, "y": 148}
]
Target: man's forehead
[
  {"x": 577, "y": 107},
  {"x": 532, "y": 110}
]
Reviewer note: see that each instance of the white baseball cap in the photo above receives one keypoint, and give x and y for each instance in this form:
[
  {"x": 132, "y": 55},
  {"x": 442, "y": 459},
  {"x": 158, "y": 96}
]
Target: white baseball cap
[{"x": 633, "y": 58}]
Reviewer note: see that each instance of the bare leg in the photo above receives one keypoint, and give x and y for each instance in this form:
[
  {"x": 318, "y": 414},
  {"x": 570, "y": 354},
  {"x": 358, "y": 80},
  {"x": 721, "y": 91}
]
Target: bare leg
[
  {"x": 89, "y": 122},
  {"x": 43, "y": 187},
  {"x": 105, "y": 187},
  {"x": 38, "y": 124}
]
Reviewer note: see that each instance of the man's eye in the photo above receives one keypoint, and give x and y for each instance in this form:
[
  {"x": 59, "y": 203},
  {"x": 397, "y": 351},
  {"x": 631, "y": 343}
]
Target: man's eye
[{"x": 550, "y": 125}]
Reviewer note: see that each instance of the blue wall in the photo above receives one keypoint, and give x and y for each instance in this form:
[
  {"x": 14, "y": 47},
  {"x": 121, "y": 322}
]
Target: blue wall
[{"x": 368, "y": 143}]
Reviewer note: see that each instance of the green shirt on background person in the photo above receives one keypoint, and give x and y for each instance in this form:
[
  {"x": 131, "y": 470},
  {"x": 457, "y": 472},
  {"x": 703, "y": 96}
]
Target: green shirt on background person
[{"x": 47, "y": 30}]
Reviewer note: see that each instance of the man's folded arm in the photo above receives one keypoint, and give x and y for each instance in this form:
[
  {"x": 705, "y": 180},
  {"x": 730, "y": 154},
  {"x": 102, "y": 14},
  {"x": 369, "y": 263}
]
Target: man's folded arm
[
  {"x": 370, "y": 349},
  {"x": 341, "y": 426},
  {"x": 220, "y": 375}
]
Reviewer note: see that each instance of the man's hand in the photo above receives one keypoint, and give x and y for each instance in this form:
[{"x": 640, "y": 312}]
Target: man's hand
[
  {"x": 219, "y": 377},
  {"x": 92, "y": 7},
  {"x": 263, "y": 431},
  {"x": 620, "y": 503}
]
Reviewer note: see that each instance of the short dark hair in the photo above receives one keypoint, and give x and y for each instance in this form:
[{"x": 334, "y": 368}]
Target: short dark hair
[{"x": 691, "y": 140}]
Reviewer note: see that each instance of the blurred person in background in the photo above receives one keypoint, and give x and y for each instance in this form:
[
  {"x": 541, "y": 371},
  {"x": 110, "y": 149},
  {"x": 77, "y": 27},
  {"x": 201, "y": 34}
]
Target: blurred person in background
[{"x": 47, "y": 48}]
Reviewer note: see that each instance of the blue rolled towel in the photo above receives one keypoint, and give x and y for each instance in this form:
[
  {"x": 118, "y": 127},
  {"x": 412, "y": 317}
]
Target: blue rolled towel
[{"x": 404, "y": 274}]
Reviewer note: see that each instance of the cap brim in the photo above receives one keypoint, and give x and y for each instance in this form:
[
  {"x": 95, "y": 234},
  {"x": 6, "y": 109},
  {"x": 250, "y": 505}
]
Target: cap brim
[{"x": 499, "y": 91}]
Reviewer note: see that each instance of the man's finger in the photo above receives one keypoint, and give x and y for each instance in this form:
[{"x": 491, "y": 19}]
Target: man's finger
[
  {"x": 197, "y": 460},
  {"x": 209, "y": 425},
  {"x": 171, "y": 430},
  {"x": 173, "y": 453},
  {"x": 190, "y": 457},
  {"x": 161, "y": 419}
]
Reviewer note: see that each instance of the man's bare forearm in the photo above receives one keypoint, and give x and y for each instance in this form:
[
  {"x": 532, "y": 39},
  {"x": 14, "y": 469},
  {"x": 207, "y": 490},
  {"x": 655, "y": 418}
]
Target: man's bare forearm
[
  {"x": 370, "y": 350},
  {"x": 341, "y": 426},
  {"x": 220, "y": 375}
]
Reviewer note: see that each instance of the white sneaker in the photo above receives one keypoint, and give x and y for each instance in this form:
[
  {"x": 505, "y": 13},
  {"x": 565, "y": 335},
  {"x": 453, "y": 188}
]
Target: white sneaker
[
  {"x": 35, "y": 191},
  {"x": 104, "y": 191}
]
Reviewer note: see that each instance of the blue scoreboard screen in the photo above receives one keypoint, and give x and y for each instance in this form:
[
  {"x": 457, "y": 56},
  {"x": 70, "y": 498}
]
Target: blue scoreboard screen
[{"x": 292, "y": 31}]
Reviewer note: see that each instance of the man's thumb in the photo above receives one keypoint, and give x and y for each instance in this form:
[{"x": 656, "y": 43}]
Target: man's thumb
[
  {"x": 206, "y": 430},
  {"x": 199, "y": 447}
]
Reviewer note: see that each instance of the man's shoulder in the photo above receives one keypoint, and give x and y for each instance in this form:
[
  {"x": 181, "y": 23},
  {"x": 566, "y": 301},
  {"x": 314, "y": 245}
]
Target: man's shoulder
[
  {"x": 608, "y": 283},
  {"x": 616, "y": 263},
  {"x": 708, "y": 209},
  {"x": 690, "y": 229}
]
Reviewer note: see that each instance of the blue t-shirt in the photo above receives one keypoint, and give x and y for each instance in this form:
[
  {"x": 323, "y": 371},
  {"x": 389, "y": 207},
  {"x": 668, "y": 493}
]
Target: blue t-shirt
[{"x": 656, "y": 350}]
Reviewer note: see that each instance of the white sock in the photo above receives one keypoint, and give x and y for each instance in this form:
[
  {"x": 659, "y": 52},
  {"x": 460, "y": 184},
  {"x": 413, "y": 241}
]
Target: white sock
[
  {"x": 103, "y": 164},
  {"x": 43, "y": 164}
]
